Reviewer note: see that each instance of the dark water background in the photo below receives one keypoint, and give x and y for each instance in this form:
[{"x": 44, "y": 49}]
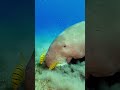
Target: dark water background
[{"x": 16, "y": 34}]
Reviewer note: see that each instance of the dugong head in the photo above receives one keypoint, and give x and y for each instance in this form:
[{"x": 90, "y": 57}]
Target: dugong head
[
  {"x": 58, "y": 51},
  {"x": 69, "y": 44}
]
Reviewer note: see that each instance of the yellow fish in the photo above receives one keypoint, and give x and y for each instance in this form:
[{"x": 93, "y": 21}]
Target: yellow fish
[
  {"x": 53, "y": 65},
  {"x": 42, "y": 57},
  {"x": 18, "y": 74}
]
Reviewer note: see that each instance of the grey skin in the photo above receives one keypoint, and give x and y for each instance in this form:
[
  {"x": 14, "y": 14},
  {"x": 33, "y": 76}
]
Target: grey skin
[
  {"x": 103, "y": 38},
  {"x": 69, "y": 44}
]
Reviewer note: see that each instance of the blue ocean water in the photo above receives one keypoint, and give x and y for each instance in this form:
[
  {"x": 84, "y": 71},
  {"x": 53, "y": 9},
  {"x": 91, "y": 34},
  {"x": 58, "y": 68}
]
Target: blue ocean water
[{"x": 52, "y": 17}]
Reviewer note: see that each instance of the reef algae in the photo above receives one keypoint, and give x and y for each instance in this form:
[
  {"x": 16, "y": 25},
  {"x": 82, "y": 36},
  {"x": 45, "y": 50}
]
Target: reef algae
[{"x": 67, "y": 77}]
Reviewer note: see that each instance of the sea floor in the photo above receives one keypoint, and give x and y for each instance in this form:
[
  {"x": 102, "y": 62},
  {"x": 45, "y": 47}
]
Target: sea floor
[{"x": 67, "y": 77}]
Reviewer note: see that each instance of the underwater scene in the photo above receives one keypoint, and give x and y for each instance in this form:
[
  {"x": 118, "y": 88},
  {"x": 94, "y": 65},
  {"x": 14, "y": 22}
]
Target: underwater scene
[
  {"x": 60, "y": 45},
  {"x": 17, "y": 43},
  {"x": 14, "y": 65},
  {"x": 14, "y": 60}
]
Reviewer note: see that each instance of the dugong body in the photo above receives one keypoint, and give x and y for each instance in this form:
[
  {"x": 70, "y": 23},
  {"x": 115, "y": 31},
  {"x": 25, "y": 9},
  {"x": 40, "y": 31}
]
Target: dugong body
[
  {"x": 69, "y": 44},
  {"x": 103, "y": 38},
  {"x": 30, "y": 73},
  {"x": 103, "y": 54}
]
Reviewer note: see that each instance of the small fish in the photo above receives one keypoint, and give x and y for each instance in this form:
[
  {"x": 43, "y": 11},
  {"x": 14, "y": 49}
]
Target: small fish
[
  {"x": 42, "y": 57},
  {"x": 53, "y": 65},
  {"x": 18, "y": 74}
]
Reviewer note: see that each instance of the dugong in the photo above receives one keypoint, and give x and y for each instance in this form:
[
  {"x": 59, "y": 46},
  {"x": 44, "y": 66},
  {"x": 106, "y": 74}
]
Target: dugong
[
  {"x": 69, "y": 44},
  {"x": 30, "y": 73},
  {"x": 103, "y": 38}
]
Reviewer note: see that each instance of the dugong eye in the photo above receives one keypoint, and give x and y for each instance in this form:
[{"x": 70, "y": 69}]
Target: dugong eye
[{"x": 64, "y": 45}]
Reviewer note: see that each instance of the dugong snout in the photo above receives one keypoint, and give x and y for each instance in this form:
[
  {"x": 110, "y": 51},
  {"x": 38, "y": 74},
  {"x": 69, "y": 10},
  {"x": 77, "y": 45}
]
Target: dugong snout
[{"x": 54, "y": 57}]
